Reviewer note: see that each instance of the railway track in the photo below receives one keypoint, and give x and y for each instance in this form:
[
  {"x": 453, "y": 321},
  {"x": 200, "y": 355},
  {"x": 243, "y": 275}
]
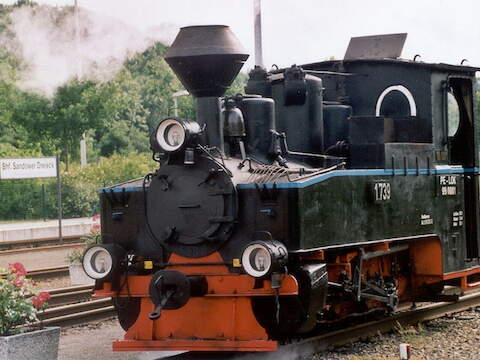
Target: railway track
[
  {"x": 304, "y": 348},
  {"x": 35, "y": 243},
  {"x": 425, "y": 312},
  {"x": 74, "y": 305},
  {"x": 46, "y": 273},
  {"x": 42, "y": 257}
]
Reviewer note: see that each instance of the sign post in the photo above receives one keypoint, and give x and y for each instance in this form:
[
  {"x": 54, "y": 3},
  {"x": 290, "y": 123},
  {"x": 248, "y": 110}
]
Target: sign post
[
  {"x": 34, "y": 168},
  {"x": 59, "y": 190}
]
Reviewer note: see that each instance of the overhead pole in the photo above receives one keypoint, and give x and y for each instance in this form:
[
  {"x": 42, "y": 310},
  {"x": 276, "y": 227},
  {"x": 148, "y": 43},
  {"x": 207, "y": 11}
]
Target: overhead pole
[
  {"x": 77, "y": 40},
  {"x": 257, "y": 18},
  {"x": 59, "y": 199},
  {"x": 175, "y": 95},
  {"x": 83, "y": 141}
]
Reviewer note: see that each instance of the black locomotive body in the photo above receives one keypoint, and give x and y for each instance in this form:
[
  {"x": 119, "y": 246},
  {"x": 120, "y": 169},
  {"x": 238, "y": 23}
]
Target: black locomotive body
[{"x": 328, "y": 189}]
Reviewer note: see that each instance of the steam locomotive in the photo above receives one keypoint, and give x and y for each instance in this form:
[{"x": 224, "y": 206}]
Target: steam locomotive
[{"x": 327, "y": 190}]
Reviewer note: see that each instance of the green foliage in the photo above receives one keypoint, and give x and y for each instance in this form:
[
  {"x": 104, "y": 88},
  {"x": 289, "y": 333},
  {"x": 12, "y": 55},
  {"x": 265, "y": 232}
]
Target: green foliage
[
  {"x": 9, "y": 65},
  {"x": 78, "y": 199},
  {"x": 117, "y": 116},
  {"x": 22, "y": 199},
  {"x": 27, "y": 129},
  {"x": 79, "y": 185},
  {"x": 78, "y": 106},
  {"x": 20, "y": 3},
  {"x": 14, "y": 309},
  {"x": 238, "y": 85},
  {"x": 5, "y": 11},
  {"x": 112, "y": 170},
  {"x": 80, "y": 193},
  {"x": 140, "y": 96}
]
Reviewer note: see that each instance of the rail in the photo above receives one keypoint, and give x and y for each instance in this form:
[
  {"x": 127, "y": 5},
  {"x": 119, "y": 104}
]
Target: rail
[
  {"x": 31, "y": 243},
  {"x": 49, "y": 272},
  {"x": 307, "y": 347},
  {"x": 74, "y": 305}
]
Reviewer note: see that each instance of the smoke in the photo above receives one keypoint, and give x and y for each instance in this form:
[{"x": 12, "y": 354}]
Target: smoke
[
  {"x": 46, "y": 39},
  {"x": 293, "y": 351},
  {"x": 164, "y": 32}
]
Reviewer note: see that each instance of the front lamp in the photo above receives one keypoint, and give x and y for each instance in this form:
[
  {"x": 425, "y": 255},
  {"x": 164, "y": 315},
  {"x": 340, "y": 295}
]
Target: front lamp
[
  {"x": 101, "y": 262},
  {"x": 174, "y": 134},
  {"x": 262, "y": 258}
]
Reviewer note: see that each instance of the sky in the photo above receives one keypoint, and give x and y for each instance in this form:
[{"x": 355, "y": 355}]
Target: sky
[{"x": 303, "y": 31}]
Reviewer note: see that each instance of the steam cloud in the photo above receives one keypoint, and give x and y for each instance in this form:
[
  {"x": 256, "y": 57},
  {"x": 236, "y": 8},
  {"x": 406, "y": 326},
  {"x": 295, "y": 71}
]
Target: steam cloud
[{"x": 45, "y": 39}]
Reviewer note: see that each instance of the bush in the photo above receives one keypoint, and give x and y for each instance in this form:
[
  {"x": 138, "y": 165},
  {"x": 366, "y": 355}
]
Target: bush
[
  {"x": 19, "y": 300},
  {"x": 80, "y": 185}
]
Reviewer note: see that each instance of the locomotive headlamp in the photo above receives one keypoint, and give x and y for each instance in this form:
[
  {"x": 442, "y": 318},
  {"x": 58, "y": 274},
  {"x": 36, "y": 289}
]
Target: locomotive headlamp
[
  {"x": 261, "y": 258},
  {"x": 102, "y": 261},
  {"x": 174, "y": 134}
]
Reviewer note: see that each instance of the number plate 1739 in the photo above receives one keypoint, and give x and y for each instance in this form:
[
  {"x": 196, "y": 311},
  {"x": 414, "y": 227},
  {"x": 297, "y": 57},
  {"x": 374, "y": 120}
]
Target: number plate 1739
[{"x": 382, "y": 191}]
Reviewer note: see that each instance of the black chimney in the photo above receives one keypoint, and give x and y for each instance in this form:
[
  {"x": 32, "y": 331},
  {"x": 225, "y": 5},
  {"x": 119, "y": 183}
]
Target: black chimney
[{"x": 207, "y": 59}]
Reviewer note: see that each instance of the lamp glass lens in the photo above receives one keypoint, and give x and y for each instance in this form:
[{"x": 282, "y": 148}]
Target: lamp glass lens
[
  {"x": 101, "y": 262},
  {"x": 97, "y": 262},
  {"x": 170, "y": 135},
  {"x": 174, "y": 135},
  {"x": 260, "y": 259},
  {"x": 256, "y": 260}
]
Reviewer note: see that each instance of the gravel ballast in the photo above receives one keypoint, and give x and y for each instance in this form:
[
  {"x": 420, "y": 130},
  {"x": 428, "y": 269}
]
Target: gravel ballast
[{"x": 454, "y": 337}]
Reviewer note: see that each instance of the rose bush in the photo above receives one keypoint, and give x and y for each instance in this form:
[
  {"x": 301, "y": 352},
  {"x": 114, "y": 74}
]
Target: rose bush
[{"x": 19, "y": 300}]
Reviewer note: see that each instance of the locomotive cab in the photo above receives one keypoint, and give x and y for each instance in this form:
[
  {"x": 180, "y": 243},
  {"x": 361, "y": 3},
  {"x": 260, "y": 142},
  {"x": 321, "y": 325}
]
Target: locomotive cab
[{"x": 302, "y": 202}]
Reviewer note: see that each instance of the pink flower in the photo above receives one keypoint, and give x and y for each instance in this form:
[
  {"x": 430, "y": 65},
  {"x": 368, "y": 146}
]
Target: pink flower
[
  {"x": 18, "y": 282},
  {"x": 44, "y": 295},
  {"x": 96, "y": 220},
  {"x": 17, "y": 268},
  {"x": 37, "y": 301}
]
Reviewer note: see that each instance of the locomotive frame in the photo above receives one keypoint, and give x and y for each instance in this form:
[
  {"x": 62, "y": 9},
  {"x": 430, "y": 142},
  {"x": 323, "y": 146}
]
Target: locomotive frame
[{"x": 329, "y": 189}]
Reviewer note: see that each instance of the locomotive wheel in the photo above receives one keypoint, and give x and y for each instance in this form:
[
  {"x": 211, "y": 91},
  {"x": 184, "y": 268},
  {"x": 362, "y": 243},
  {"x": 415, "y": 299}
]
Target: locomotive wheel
[
  {"x": 290, "y": 318},
  {"x": 128, "y": 310}
]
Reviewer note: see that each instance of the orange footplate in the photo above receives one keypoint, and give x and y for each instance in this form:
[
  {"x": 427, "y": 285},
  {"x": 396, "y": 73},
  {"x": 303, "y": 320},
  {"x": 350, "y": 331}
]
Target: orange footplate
[
  {"x": 195, "y": 345},
  {"x": 222, "y": 320}
]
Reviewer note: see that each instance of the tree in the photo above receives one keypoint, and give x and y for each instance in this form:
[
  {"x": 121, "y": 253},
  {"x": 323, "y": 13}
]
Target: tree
[
  {"x": 58, "y": 124},
  {"x": 25, "y": 128},
  {"x": 126, "y": 117},
  {"x": 77, "y": 106},
  {"x": 141, "y": 96},
  {"x": 157, "y": 81}
]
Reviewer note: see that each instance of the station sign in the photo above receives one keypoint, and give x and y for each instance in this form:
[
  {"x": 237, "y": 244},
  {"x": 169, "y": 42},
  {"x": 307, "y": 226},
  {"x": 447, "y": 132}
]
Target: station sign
[{"x": 28, "y": 168}]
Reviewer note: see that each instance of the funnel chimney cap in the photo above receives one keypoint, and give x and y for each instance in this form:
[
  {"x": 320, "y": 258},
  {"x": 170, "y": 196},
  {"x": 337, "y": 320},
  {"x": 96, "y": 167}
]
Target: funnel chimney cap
[
  {"x": 206, "y": 58},
  {"x": 198, "y": 40}
]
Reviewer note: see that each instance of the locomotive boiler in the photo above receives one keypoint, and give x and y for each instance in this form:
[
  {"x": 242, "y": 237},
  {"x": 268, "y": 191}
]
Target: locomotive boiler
[{"x": 327, "y": 190}]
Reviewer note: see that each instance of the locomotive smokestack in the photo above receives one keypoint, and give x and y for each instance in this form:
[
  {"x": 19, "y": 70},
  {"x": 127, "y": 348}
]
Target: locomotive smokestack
[
  {"x": 257, "y": 24},
  {"x": 206, "y": 59}
]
